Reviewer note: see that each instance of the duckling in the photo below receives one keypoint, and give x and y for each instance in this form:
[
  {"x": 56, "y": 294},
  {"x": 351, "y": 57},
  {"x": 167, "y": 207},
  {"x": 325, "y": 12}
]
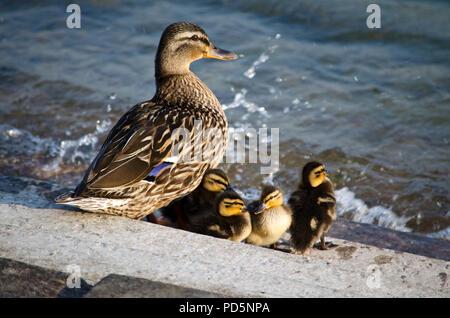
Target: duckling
[
  {"x": 270, "y": 217},
  {"x": 314, "y": 208},
  {"x": 142, "y": 165},
  {"x": 231, "y": 219},
  {"x": 201, "y": 200}
]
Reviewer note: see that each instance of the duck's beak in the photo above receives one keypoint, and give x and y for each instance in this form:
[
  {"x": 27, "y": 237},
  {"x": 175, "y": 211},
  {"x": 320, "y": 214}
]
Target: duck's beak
[
  {"x": 257, "y": 208},
  {"x": 216, "y": 53}
]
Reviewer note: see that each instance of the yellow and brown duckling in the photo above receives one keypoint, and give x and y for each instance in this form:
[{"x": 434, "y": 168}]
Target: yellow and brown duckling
[
  {"x": 202, "y": 200},
  {"x": 270, "y": 217},
  {"x": 140, "y": 166},
  {"x": 231, "y": 219},
  {"x": 314, "y": 208}
]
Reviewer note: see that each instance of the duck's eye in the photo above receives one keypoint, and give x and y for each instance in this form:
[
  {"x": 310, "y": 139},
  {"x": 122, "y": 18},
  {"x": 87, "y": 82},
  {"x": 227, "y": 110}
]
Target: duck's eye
[{"x": 194, "y": 37}]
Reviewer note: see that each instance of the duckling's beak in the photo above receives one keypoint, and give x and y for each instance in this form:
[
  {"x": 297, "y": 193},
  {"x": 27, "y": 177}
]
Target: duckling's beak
[
  {"x": 229, "y": 188},
  {"x": 257, "y": 208},
  {"x": 244, "y": 209},
  {"x": 216, "y": 53}
]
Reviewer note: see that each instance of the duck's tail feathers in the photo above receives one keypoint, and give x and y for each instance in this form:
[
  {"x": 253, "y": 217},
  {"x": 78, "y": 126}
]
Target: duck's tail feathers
[{"x": 65, "y": 197}]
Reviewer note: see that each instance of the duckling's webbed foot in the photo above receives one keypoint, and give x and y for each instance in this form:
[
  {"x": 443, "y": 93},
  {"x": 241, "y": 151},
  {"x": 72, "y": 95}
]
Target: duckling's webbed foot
[
  {"x": 326, "y": 245},
  {"x": 282, "y": 248},
  {"x": 157, "y": 220}
]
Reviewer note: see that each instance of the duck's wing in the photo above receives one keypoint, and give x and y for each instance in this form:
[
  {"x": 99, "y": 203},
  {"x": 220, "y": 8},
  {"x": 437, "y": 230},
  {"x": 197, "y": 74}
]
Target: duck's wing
[
  {"x": 139, "y": 146},
  {"x": 297, "y": 199}
]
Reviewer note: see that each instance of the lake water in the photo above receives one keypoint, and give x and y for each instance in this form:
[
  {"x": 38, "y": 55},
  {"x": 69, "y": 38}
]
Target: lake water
[{"x": 372, "y": 104}]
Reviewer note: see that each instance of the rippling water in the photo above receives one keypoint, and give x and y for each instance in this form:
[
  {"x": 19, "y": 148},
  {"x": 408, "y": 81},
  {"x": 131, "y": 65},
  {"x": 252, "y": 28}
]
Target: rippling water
[{"x": 372, "y": 104}]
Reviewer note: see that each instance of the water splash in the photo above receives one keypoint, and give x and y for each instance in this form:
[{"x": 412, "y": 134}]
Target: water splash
[
  {"x": 348, "y": 204},
  {"x": 443, "y": 234},
  {"x": 80, "y": 150},
  {"x": 251, "y": 72},
  {"x": 21, "y": 143},
  {"x": 239, "y": 100}
]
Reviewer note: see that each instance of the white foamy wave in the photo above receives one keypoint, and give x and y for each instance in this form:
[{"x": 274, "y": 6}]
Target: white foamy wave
[
  {"x": 22, "y": 143},
  {"x": 78, "y": 150},
  {"x": 443, "y": 234},
  {"x": 239, "y": 100},
  {"x": 251, "y": 72},
  {"x": 349, "y": 205}
]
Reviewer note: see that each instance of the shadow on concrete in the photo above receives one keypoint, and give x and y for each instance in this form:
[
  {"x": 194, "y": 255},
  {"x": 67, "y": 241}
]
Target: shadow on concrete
[
  {"x": 21, "y": 280},
  {"x": 120, "y": 286}
]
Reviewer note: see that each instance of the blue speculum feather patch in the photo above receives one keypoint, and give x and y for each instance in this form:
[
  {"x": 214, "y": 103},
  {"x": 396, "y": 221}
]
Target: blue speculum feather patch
[{"x": 152, "y": 175}]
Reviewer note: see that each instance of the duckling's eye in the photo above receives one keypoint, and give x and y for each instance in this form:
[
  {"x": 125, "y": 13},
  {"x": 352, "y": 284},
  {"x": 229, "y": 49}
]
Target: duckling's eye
[
  {"x": 194, "y": 37},
  {"x": 318, "y": 173},
  {"x": 220, "y": 182}
]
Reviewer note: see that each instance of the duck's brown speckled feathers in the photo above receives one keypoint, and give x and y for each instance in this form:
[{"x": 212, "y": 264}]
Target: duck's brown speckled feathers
[
  {"x": 118, "y": 181},
  {"x": 314, "y": 211}
]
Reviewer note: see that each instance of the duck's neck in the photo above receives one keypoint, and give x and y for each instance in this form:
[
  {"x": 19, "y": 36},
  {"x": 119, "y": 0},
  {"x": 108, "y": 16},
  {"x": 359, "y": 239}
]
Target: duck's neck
[
  {"x": 184, "y": 90},
  {"x": 166, "y": 66}
]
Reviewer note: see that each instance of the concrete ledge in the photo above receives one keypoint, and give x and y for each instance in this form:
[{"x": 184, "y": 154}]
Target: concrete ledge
[
  {"x": 102, "y": 245},
  {"x": 390, "y": 239}
]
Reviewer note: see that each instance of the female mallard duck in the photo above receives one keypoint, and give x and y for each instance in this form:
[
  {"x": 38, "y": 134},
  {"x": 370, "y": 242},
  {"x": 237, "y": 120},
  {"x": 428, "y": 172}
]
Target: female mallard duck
[
  {"x": 230, "y": 221},
  {"x": 202, "y": 200},
  {"x": 314, "y": 208},
  {"x": 270, "y": 217},
  {"x": 143, "y": 166}
]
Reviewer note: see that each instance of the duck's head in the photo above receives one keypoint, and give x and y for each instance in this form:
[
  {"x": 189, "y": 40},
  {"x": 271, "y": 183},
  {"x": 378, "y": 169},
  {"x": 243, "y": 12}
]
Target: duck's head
[
  {"x": 229, "y": 203},
  {"x": 271, "y": 197},
  {"x": 314, "y": 174},
  {"x": 215, "y": 180},
  {"x": 183, "y": 43}
]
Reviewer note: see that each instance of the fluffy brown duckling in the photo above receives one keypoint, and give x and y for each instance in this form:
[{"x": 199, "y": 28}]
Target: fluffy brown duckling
[
  {"x": 231, "y": 219},
  {"x": 202, "y": 200},
  {"x": 270, "y": 217},
  {"x": 314, "y": 208}
]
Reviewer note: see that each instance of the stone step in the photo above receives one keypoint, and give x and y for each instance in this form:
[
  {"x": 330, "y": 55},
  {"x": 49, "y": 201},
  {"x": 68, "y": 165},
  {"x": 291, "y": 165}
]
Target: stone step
[{"x": 99, "y": 245}]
